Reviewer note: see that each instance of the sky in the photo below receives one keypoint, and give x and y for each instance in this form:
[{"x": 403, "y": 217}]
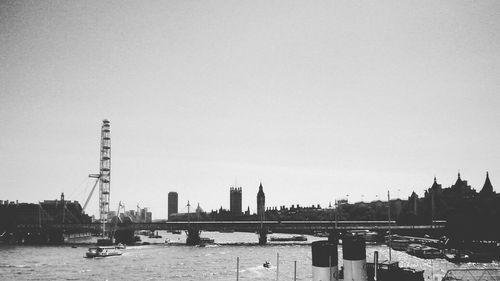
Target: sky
[{"x": 318, "y": 100}]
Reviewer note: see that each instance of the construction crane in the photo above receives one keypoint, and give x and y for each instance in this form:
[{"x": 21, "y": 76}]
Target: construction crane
[
  {"x": 97, "y": 176},
  {"x": 120, "y": 207}
]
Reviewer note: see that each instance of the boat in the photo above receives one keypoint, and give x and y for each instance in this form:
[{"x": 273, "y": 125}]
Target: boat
[
  {"x": 321, "y": 234},
  {"x": 204, "y": 241},
  {"x": 456, "y": 256},
  {"x": 370, "y": 236},
  {"x": 414, "y": 249},
  {"x": 102, "y": 252},
  {"x": 390, "y": 271},
  {"x": 400, "y": 244},
  {"x": 154, "y": 235},
  {"x": 289, "y": 239},
  {"x": 423, "y": 251},
  {"x": 427, "y": 252}
]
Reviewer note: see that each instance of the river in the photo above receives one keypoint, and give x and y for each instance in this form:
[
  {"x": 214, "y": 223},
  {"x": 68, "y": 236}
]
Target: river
[{"x": 159, "y": 261}]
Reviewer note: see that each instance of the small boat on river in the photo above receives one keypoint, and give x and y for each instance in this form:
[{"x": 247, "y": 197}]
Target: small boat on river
[
  {"x": 289, "y": 239},
  {"x": 102, "y": 252},
  {"x": 154, "y": 235},
  {"x": 205, "y": 241}
]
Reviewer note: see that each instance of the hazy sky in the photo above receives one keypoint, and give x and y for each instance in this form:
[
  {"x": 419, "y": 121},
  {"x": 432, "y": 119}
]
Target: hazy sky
[{"x": 316, "y": 99}]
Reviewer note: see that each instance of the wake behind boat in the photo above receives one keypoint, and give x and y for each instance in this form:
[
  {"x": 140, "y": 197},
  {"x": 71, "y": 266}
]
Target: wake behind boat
[{"x": 102, "y": 252}]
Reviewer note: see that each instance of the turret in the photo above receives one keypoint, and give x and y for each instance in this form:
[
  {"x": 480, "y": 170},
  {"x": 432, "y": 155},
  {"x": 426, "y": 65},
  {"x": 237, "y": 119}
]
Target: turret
[{"x": 487, "y": 187}]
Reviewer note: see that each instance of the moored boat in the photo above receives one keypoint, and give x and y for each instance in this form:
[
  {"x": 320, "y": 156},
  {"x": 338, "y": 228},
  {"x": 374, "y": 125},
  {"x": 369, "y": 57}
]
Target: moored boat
[
  {"x": 423, "y": 251},
  {"x": 205, "y": 241},
  {"x": 154, "y": 235},
  {"x": 370, "y": 236},
  {"x": 400, "y": 244},
  {"x": 456, "y": 256},
  {"x": 321, "y": 234},
  {"x": 414, "y": 249},
  {"x": 289, "y": 239},
  {"x": 427, "y": 252},
  {"x": 390, "y": 271}
]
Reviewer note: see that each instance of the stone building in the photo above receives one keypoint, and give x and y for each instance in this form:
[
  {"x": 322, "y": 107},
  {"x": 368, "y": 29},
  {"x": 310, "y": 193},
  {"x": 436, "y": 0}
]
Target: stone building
[
  {"x": 261, "y": 203},
  {"x": 235, "y": 200}
]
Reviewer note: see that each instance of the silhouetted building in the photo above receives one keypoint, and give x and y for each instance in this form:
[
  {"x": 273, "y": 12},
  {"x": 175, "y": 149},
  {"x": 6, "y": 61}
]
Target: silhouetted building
[
  {"x": 413, "y": 200},
  {"x": 173, "y": 203},
  {"x": 487, "y": 187},
  {"x": 434, "y": 192},
  {"x": 235, "y": 200},
  {"x": 437, "y": 187},
  {"x": 261, "y": 203},
  {"x": 46, "y": 212},
  {"x": 462, "y": 188}
]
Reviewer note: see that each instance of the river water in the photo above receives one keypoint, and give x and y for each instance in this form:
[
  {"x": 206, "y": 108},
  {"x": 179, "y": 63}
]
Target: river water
[{"x": 175, "y": 261}]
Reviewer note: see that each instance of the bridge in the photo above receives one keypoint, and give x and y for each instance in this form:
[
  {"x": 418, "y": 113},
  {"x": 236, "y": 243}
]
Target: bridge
[
  {"x": 277, "y": 226},
  {"x": 194, "y": 228}
]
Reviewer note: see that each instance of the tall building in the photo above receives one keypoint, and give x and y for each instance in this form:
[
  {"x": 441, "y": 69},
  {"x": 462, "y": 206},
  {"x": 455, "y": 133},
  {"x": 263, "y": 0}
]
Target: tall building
[
  {"x": 261, "y": 203},
  {"x": 235, "y": 200},
  {"x": 173, "y": 203},
  {"x": 413, "y": 199}
]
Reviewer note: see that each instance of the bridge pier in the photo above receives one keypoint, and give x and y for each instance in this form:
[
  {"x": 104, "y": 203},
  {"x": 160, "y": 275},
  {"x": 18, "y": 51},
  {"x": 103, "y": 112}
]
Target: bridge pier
[
  {"x": 263, "y": 236},
  {"x": 56, "y": 236},
  {"x": 124, "y": 236},
  {"x": 333, "y": 236},
  {"x": 193, "y": 236}
]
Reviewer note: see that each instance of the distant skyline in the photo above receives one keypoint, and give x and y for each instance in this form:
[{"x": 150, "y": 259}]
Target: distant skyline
[{"x": 315, "y": 99}]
